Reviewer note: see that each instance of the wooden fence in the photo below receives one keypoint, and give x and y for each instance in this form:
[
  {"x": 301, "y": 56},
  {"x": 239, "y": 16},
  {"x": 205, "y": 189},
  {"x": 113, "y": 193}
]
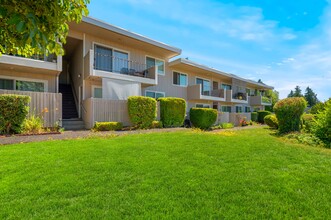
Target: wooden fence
[{"x": 47, "y": 105}]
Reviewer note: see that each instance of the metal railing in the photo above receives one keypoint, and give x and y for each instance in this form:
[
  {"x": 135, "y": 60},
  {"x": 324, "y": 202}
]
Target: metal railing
[
  {"x": 119, "y": 65},
  {"x": 50, "y": 58}
]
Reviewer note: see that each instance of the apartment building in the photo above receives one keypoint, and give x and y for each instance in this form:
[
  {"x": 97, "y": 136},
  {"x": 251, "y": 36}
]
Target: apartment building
[{"x": 103, "y": 65}]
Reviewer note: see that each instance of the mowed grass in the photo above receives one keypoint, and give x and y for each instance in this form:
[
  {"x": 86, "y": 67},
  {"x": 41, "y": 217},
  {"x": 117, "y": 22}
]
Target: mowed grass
[{"x": 246, "y": 174}]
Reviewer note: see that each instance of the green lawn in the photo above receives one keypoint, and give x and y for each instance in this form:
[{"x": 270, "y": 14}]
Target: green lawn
[{"x": 244, "y": 174}]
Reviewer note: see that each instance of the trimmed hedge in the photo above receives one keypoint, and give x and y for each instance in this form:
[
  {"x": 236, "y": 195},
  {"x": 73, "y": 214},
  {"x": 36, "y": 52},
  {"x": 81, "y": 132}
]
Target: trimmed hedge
[
  {"x": 172, "y": 111},
  {"x": 254, "y": 116},
  {"x": 108, "y": 126},
  {"x": 13, "y": 111},
  {"x": 157, "y": 124},
  {"x": 203, "y": 118},
  {"x": 261, "y": 115},
  {"x": 289, "y": 112},
  {"x": 271, "y": 121},
  {"x": 142, "y": 111}
]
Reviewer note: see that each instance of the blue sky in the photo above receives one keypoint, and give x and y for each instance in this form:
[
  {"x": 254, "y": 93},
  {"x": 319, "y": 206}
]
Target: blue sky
[{"x": 283, "y": 42}]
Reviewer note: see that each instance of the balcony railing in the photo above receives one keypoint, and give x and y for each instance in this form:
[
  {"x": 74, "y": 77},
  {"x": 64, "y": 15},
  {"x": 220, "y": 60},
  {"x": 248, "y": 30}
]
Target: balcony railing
[
  {"x": 240, "y": 96},
  {"x": 122, "y": 66},
  {"x": 50, "y": 58}
]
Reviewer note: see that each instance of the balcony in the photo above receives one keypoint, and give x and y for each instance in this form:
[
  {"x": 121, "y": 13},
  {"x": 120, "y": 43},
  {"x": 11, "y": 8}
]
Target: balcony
[
  {"x": 117, "y": 68},
  {"x": 260, "y": 100},
  {"x": 51, "y": 62},
  {"x": 194, "y": 93},
  {"x": 240, "y": 98}
]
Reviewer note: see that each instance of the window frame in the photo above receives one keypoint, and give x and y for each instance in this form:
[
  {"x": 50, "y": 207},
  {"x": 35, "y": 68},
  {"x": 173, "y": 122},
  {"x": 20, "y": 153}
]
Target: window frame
[
  {"x": 239, "y": 106},
  {"x": 155, "y": 58},
  {"x": 203, "y": 104},
  {"x": 154, "y": 93},
  {"x": 26, "y": 80},
  {"x": 204, "y": 79},
  {"x": 113, "y": 49},
  {"x": 250, "y": 109},
  {"x": 173, "y": 72},
  {"x": 227, "y": 107},
  {"x": 226, "y": 85}
]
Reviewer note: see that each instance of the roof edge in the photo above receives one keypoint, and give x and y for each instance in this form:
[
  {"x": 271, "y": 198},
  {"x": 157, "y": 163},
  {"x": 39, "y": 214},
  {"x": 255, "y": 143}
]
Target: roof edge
[
  {"x": 128, "y": 33},
  {"x": 189, "y": 62}
]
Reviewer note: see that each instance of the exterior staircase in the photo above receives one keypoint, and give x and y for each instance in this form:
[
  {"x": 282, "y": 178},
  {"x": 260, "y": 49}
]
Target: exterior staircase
[{"x": 70, "y": 120}]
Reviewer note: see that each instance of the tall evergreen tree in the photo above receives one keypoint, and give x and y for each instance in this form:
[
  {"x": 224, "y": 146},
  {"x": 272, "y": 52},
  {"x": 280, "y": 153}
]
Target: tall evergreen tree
[
  {"x": 311, "y": 97},
  {"x": 291, "y": 94},
  {"x": 297, "y": 92}
]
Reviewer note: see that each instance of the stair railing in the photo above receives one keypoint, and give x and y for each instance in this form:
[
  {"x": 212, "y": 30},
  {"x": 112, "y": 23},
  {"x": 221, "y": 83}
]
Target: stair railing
[{"x": 75, "y": 95}]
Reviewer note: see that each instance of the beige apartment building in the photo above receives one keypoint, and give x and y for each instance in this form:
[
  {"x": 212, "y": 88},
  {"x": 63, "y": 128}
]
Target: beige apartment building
[{"x": 103, "y": 65}]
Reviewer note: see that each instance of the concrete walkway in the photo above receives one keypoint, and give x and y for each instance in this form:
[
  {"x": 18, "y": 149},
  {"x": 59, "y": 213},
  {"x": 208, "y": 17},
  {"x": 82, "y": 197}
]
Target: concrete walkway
[{"x": 88, "y": 134}]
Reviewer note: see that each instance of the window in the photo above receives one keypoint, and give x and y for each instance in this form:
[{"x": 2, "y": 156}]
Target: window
[
  {"x": 150, "y": 62},
  {"x": 205, "y": 86},
  {"x": 247, "y": 109},
  {"x": 179, "y": 79},
  {"x": 7, "y": 84},
  {"x": 226, "y": 87},
  {"x": 239, "y": 109},
  {"x": 202, "y": 105},
  {"x": 154, "y": 94},
  {"x": 226, "y": 108},
  {"x": 97, "y": 92},
  {"x": 110, "y": 60},
  {"x": 22, "y": 85},
  {"x": 29, "y": 86}
]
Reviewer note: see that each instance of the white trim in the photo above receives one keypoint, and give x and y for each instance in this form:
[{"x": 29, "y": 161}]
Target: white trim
[
  {"x": 155, "y": 92},
  {"x": 202, "y": 104},
  {"x": 27, "y": 80},
  {"x": 155, "y": 58},
  {"x": 172, "y": 78},
  {"x": 95, "y": 87}
]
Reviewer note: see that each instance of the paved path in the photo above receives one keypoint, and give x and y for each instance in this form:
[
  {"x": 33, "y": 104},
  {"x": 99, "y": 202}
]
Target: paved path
[{"x": 86, "y": 134}]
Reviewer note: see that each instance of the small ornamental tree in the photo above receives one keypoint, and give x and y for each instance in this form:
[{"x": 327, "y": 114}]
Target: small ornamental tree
[
  {"x": 289, "y": 112},
  {"x": 172, "y": 111},
  {"x": 322, "y": 126},
  {"x": 142, "y": 111}
]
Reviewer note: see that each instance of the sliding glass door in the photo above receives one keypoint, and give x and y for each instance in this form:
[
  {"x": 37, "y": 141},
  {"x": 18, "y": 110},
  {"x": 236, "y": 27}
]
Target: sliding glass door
[{"x": 205, "y": 86}]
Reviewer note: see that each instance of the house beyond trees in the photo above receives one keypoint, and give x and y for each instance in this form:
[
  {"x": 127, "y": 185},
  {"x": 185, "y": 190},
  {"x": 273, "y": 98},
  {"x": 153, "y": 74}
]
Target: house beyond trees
[{"x": 103, "y": 65}]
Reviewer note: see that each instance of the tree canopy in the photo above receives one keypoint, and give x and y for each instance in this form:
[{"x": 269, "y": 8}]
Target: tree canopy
[
  {"x": 311, "y": 97},
  {"x": 32, "y": 27}
]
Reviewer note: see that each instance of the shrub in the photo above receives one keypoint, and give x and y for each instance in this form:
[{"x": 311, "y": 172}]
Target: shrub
[
  {"x": 33, "y": 124},
  {"x": 172, "y": 111},
  {"x": 157, "y": 124},
  {"x": 261, "y": 115},
  {"x": 308, "y": 121},
  {"x": 317, "y": 108},
  {"x": 108, "y": 126},
  {"x": 322, "y": 126},
  {"x": 289, "y": 112},
  {"x": 227, "y": 125},
  {"x": 142, "y": 111},
  {"x": 13, "y": 111},
  {"x": 271, "y": 121},
  {"x": 254, "y": 116},
  {"x": 203, "y": 118}
]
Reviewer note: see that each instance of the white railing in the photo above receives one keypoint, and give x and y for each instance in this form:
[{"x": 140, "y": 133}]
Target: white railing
[{"x": 47, "y": 105}]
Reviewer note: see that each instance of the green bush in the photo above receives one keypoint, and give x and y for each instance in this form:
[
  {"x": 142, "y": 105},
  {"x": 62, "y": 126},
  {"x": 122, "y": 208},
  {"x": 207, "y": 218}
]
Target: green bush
[
  {"x": 254, "y": 116},
  {"x": 227, "y": 125},
  {"x": 308, "y": 121},
  {"x": 142, "y": 111},
  {"x": 261, "y": 115},
  {"x": 289, "y": 112},
  {"x": 108, "y": 126},
  {"x": 13, "y": 111},
  {"x": 172, "y": 111},
  {"x": 322, "y": 126},
  {"x": 317, "y": 108},
  {"x": 203, "y": 118},
  {"x": 271, "y": 121},
  {"x": 157, "y": 124},
  {"x": 33, "y": 124}
]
